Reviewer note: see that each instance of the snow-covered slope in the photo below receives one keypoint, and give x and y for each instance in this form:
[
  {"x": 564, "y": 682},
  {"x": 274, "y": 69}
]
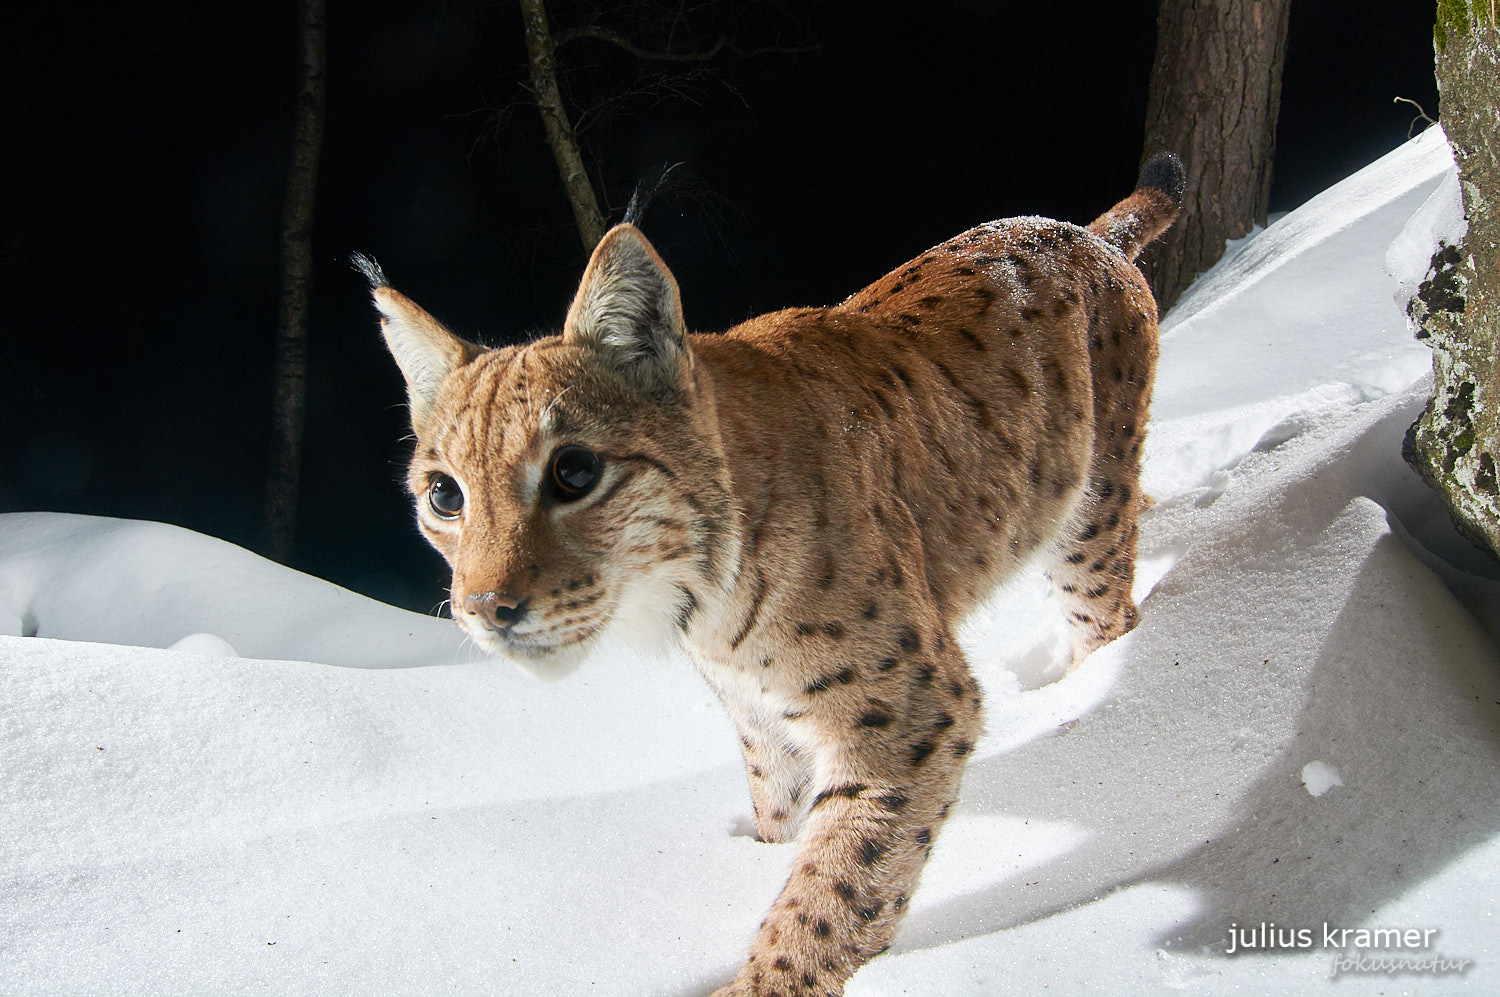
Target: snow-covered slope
[{"x": 1305, "y": 730}]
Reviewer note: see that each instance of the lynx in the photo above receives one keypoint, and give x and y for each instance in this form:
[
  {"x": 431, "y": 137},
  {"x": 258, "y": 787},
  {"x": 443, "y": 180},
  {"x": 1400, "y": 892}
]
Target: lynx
[{"x": 809, "y": 503}]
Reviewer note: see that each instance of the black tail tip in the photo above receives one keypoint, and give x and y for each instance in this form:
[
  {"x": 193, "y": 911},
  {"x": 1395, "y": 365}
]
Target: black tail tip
[
  {"x": 370, "y": 269},
  {"x": 1164, "y": 172}
]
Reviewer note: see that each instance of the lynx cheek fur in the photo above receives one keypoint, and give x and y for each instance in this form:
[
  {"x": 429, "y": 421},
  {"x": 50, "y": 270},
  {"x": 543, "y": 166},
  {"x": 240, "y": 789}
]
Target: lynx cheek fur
[{"x": 811, "y": 502}]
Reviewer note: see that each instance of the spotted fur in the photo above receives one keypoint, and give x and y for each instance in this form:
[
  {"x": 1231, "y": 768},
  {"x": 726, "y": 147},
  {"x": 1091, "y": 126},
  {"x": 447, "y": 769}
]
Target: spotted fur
[{"x": 809, "y": 503}]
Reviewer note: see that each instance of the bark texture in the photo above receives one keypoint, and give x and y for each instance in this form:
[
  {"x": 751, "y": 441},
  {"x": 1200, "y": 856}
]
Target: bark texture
[
  {"x": 1215, "y": 96},
  {"x": 541, "y": 51},
  {"x": 1455, "y": 442},
  {"x": 296, "y": 285}
]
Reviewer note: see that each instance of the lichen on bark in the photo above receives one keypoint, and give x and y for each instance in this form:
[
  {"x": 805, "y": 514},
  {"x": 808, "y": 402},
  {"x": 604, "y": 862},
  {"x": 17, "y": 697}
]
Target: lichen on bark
[
  {"x": 1456, "y": 17},
  {"x": 1454, "y": 443}
]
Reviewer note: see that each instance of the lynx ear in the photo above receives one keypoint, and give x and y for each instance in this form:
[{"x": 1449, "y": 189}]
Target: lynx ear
[
  {"x": 424, "y": 349},
  {"x": 629, "y": 309}
]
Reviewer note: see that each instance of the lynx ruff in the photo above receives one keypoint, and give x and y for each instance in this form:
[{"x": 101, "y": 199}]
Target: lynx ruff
[{"x": 810, "y": 502}]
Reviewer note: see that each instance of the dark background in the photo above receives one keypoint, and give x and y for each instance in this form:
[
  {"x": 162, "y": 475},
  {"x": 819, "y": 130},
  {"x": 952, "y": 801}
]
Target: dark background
[{"x": 146, "y": 155}]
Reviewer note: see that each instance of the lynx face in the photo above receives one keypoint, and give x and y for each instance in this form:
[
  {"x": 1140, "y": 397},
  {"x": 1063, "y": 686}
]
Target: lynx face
[{"x": 554, "y": 501}]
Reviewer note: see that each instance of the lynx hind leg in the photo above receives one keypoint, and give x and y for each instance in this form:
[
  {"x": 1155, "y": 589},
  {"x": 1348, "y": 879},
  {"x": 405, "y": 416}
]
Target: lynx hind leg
[
  {"x": 1094, "y": 566},
  {"x": 1093, "y": 570}
]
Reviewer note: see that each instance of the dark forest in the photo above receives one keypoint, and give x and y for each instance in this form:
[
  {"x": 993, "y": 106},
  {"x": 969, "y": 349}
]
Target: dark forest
[{"x": 147, "y": 158}]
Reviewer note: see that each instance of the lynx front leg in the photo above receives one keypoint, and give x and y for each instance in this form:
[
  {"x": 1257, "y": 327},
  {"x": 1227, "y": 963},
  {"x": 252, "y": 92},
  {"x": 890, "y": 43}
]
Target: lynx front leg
[
  {"x": 870, "y": 827},
  {"x": 778, "y": 774}
]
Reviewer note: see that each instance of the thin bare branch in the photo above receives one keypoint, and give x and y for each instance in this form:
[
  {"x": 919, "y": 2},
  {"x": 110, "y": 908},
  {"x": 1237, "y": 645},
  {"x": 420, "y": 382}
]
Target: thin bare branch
[
  {"x": 1421, "y": 114},
  {"x": 723, "y": 44},
  {"x": 542, "y": 52}
]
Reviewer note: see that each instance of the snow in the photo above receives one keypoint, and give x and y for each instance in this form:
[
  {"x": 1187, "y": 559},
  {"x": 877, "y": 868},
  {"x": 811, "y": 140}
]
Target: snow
[
  {"x": 1304, "y": 730},
  {"x": 1439, "y": 221},
  {"x": 1319, "y": 777}
]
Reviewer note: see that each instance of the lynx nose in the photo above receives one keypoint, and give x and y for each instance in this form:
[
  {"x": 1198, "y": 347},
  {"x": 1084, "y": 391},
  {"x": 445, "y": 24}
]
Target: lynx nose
[{"x": 498, "y": 610}]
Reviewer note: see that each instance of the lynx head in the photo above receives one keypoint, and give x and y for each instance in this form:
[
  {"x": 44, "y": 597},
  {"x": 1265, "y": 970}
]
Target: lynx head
[{"x": 573, "y": 481}]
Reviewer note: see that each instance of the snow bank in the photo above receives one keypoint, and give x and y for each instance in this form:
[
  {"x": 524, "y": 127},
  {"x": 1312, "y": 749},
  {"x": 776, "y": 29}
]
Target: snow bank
[
  {"x": 187, "y": 821},
  {"x": 122, "y": 582}
]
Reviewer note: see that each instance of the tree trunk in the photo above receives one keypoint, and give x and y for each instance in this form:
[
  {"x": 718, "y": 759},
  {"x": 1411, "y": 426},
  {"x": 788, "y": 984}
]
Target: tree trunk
[
  {"x": 542, "y": 59},
  {"x": 1215, "y": 96},
  {"x": 1453, "y": 445},
  {"x": 296, "y": 286}
]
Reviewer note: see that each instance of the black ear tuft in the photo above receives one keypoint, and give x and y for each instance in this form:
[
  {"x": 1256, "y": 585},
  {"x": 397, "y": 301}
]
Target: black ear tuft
[
  {"x": 645, "y": 190},
  {"x": 1164, "y": 172},
  {"x": 640, "y": 200},
  {"x": 370, "y": 269}
]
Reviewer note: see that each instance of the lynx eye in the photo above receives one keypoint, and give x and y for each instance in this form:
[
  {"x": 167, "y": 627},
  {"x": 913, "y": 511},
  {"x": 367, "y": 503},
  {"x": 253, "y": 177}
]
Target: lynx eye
[
  {"x": 444, "y": 496},
  {"x": 573, "y": 473}
]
